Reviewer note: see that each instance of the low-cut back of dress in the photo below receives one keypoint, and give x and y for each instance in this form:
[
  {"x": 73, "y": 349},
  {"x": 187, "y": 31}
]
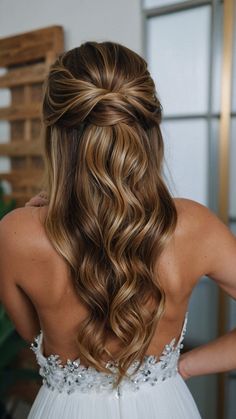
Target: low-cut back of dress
[{"x": 73, "y": 391}]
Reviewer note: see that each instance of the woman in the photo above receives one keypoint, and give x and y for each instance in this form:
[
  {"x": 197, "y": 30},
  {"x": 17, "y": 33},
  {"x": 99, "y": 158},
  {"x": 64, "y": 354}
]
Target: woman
[{"x": 103, "y": 270}]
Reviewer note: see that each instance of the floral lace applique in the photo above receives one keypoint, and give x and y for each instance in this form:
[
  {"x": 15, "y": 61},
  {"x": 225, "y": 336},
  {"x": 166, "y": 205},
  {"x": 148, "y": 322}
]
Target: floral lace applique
[{"x": 74, "y": 376}]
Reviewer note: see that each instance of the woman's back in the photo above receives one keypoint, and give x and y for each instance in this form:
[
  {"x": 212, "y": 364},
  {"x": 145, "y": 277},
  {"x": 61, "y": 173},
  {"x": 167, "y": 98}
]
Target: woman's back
[
  {"x": 46, "y": 281},
  {"x": 44, "y": 278}
]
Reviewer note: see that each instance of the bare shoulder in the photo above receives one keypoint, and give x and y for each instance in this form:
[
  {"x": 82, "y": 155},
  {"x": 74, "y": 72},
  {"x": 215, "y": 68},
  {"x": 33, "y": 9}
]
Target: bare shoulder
[
  {"x": 14, "y": 223},
  {"x": 215, "y": 242},
  {"x": 190, "y": 209},
  {"x": 21, "y": 227},
  {"x": 24, "y": 241},
  {"x": 19, "y": 215},
  {"x": 200, "y": 218},
  {"x": 191, "y": 218}
]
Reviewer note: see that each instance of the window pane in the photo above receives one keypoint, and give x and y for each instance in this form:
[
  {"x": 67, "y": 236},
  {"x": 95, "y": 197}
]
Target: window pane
[
  {"x": 232, "y": 314},
  {"x": 157, "y": 3},
  {"x": 233, "y": 229},
  {"x": 232, "y": 196},
  {"x": 202, "y": 325},
  {"x": 234, "y": 66},
  {"x": 186, "y": 155},
  {"x": 217, "y": 60},
  {"x": 230, "y": 394},
  {"x": 178, "y": 57}
]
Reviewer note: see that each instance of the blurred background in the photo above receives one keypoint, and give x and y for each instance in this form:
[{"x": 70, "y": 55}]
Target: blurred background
[{"x": 190, "y": 47}]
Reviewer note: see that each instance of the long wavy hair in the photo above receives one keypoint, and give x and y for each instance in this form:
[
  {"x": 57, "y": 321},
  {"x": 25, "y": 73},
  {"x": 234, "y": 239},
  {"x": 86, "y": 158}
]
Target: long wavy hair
[{"x": 110, "y": 213}]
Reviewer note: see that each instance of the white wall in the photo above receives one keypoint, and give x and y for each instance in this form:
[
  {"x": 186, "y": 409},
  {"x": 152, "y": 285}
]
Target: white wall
[{"x": 115, "y": 20}]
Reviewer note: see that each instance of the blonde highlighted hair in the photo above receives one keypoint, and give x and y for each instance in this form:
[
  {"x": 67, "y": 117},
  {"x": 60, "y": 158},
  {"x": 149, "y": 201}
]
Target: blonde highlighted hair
[{"x": 110, "y": 214}]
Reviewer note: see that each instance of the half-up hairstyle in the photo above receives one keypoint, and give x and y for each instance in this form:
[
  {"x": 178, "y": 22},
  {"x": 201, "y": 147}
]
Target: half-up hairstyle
[{"x": 110, "y": 214}]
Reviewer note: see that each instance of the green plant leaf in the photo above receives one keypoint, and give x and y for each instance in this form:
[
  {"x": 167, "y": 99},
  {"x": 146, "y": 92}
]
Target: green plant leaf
[
  {"x": 10, "y": 376},
  {"x": 10, "y": 348},
  {"x": 6, "y": 325}
]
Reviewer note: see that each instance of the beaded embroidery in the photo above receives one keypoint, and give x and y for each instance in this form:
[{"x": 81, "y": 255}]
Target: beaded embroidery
[{"x": 74, "y": 376}]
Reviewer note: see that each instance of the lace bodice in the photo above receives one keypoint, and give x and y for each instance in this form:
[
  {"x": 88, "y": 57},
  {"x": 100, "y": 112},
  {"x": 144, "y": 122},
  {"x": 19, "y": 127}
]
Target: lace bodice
[{"x": 74, "y": 376}]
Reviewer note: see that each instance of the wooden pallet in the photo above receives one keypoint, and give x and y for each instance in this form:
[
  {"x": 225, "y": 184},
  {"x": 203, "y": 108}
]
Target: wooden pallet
[{"x": 26, "y": 58}]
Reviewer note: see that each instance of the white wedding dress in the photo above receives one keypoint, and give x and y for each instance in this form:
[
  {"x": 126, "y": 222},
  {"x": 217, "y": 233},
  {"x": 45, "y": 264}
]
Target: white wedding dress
[{"x": 72, "y": 391}]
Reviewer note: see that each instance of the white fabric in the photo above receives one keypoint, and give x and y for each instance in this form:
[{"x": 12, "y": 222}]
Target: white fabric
[{"x": 72, "y": 391}]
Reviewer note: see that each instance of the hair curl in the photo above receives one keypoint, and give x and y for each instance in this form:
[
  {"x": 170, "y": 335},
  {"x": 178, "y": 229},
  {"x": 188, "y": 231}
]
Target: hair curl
[{"x": 110, "y": 214}]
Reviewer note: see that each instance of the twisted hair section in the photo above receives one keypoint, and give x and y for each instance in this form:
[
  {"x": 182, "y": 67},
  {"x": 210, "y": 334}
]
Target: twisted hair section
[{"x": 110, "y": 213}]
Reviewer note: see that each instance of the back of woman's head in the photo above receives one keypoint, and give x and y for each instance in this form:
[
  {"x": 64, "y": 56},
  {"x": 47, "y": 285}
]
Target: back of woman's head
[{"x": 110, "y": 213}]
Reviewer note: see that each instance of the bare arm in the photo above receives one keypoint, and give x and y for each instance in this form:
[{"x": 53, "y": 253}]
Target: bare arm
[
  {"x": 13, "y": 254},
  {"x": 214, "y": 357},
  {"x": 219, "y": 254}
]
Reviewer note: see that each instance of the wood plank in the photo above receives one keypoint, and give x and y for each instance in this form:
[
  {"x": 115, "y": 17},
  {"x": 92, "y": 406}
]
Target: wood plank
[
  {"x": 30, "y": 46},
  {"x": 15, "y": 113},
  {"x": 17, "y": 96},
  {"x": 35, "y": 73},
  {"x": 23, "y": 178},
  {"x": 27, "y": 58},
  {"x": 21, "y": 197},
  {"x": 22, "y": 148}
]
